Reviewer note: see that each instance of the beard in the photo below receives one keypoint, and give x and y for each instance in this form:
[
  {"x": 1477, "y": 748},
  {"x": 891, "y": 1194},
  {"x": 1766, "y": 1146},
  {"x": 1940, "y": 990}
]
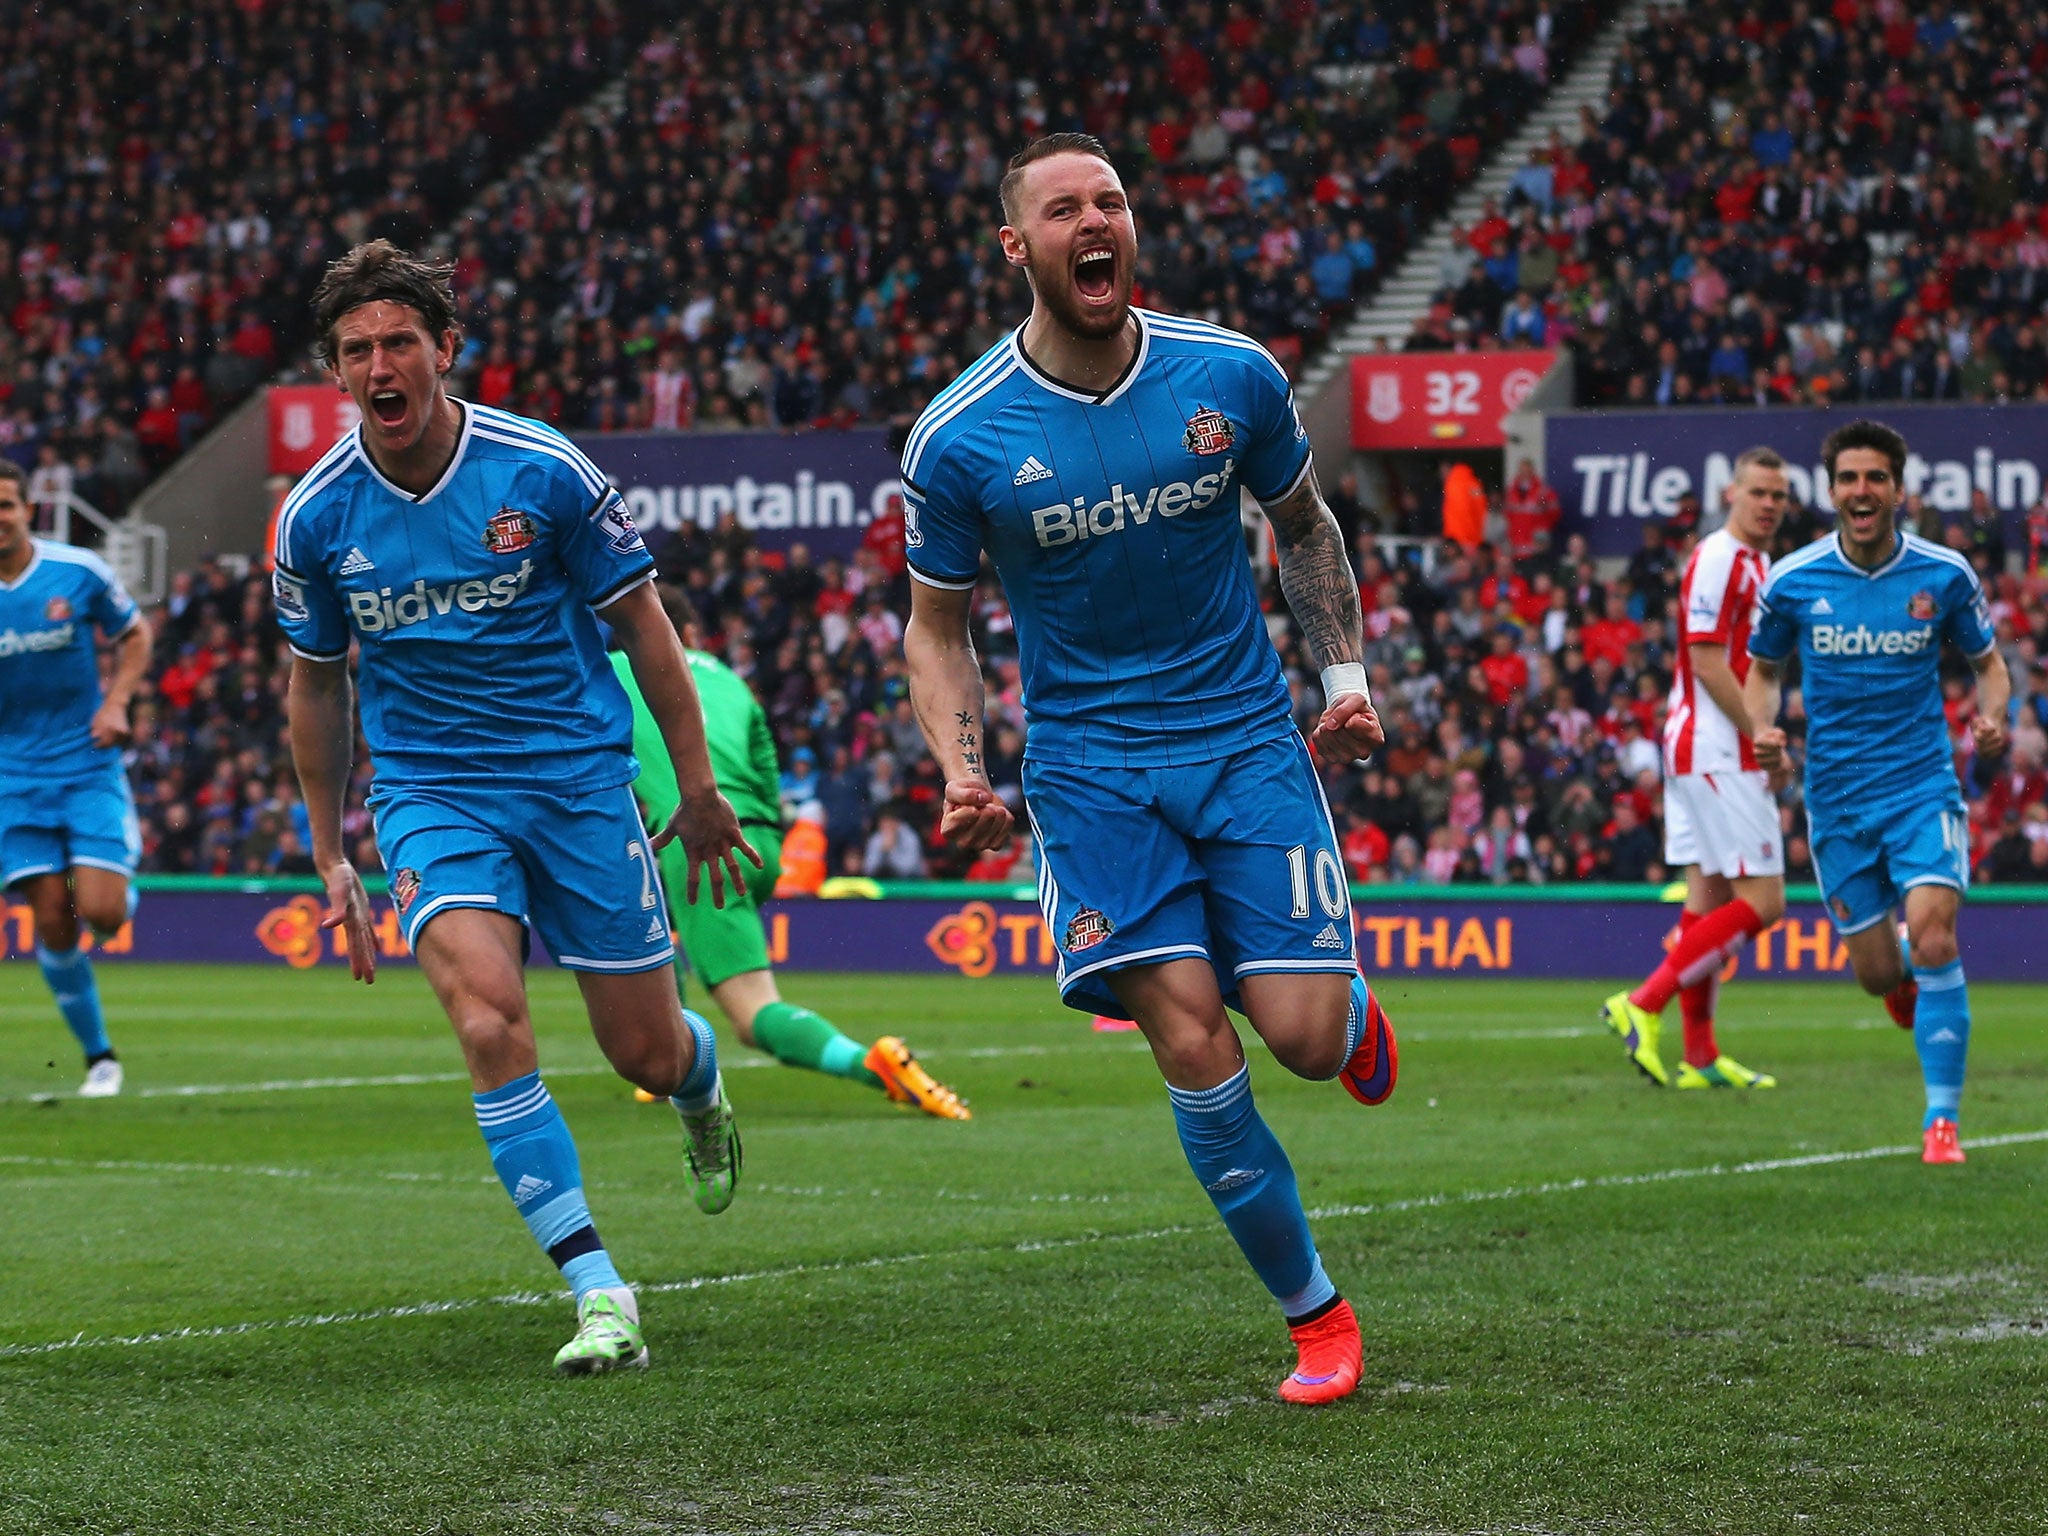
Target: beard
[{"x": 1055, "y": 292}]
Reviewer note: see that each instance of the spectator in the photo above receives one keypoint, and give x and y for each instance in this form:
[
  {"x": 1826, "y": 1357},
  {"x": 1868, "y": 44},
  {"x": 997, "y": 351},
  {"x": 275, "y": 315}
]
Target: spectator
[
  {"x": 892, "y": 849},
  {"x": 1464, "y": 505}
]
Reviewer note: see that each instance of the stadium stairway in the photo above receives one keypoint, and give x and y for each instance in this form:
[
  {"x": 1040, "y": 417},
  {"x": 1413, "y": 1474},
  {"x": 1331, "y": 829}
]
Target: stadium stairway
[{"x": 1383, "y": 324}]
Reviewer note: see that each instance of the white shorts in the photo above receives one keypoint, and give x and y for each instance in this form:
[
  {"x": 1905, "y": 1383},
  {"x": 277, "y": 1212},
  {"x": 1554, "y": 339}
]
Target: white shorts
[{"x": 1727, "y": 823}]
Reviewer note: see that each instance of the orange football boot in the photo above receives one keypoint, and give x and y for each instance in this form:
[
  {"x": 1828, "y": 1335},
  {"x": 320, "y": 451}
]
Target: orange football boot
[
  {"x": 908, "y": 1083},
  {"x": 1938, "y": 1144},
  {"x": 1331, "y": 1356}
]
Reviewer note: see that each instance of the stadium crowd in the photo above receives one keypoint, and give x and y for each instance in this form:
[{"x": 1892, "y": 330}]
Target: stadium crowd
[
  {"x": 691, "y": 258},
  {"x": 780, "y": 216},
  {"x": 1523, "y": 700},
  {"x": 1808, "y": 204},
  {"x": 175, "y": 177}
]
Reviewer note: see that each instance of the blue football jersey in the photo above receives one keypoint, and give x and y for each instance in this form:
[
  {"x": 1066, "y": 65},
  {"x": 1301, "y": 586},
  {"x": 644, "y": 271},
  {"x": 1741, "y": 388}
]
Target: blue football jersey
[
  {"x": 1869, "y": 646},
  {"x": 1113, "y": 521},
  {"x": 49, "y": 663},
  {"x": 480, "y": 657}
]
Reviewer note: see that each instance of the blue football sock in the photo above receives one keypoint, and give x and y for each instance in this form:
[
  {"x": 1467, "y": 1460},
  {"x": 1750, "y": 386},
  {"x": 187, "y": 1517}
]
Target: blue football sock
[
  {"x": 77, "y": 992},
  {"x": 535, "y": 1156},
  {"x": 1941, "y": 1034},
  {"x": 700, "y": 1087},
  {"x": 1354, "y": 1022},
  {"x": 1249, "y": 1178}
]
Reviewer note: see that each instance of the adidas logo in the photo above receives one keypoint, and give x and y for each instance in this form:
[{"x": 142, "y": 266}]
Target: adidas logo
[
  {"x": 656, "y": 929},
  {"x": 1236, "y": 1178},
  {"x": 527, "y": 1187},
  {"x": 1822, "y": 605},
  {"x": 1329, "y": 938},
  {"x": 356, "y": 562},
  {"x": 1944, "y": 1036},
  {"x": 1030, "y": 472}
]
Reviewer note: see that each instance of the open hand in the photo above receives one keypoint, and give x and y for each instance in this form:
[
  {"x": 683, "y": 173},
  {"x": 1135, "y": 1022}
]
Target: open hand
[
  {"x": 974, "y": 818},
  {"x": 710, "y": 834},
  {"x": 348, "y": 908}
]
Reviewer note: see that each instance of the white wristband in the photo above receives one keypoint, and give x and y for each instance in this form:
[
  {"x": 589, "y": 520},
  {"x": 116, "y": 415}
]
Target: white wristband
[{"x": 1345, "y": 677}]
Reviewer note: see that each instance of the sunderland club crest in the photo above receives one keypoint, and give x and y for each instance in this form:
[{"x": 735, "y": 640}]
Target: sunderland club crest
[
  {"x": 1920, "y": 607},
  {"x": 57, "y": 610},
  {"x": 509, "y": 531},
  {"x": 1209, "y": 431},
  {"x": 405, "y": 885},
  {"x": 1086, "y": 929}
]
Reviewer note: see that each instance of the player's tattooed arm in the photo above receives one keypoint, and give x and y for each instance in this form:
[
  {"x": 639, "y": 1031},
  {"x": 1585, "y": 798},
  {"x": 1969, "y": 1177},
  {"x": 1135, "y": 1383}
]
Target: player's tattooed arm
[
  {"x": 1316, "y": 574},
  {"x": 946, "y": 692},
  {"x": 1322, "y": 591}
]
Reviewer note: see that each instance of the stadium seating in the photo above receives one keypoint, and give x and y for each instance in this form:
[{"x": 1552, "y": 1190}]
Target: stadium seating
[
  {"x": 689, "y": 259},
  {"x": 178, "y": 175},
  {"x": 1805, "y": 204}
]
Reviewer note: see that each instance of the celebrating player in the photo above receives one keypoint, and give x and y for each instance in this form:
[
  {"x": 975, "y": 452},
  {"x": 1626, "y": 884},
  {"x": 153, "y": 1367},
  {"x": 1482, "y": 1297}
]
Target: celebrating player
[
  {"x": 68, "y": 836},
  {"x": 725, "y": 944},
  {"x": 463, "y": 550},
  {"x": 1186, "y": 856},
  {"x": 1868, "y": 611},
  {"x": 1720, "y": 817}
]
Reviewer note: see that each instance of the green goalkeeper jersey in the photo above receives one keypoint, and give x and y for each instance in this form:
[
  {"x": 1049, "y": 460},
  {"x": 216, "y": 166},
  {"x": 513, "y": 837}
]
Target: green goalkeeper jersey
[{"x": 736, "y": 731}]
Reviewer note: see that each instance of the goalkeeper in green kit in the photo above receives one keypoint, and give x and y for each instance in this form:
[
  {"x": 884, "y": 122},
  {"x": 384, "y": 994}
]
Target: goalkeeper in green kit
[{"x": 726, "y": 946}]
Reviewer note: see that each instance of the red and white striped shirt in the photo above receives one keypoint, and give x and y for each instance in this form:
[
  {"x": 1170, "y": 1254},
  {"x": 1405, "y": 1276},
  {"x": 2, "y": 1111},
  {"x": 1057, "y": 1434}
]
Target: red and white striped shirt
[{"x": 1716, "y": 602}]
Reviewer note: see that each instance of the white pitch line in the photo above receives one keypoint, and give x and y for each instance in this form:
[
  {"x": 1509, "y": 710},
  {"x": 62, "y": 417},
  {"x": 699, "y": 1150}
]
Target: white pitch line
[
  {"x": 345, "y": 1176},
  {"x": 1048, "y": 1245},
  {"x": 246, "y": 1170},
  {"x": 968, "y": 1053}
]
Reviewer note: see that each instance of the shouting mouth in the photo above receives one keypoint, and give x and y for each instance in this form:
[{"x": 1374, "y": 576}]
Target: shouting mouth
[{"x": 1095, "y": 274}]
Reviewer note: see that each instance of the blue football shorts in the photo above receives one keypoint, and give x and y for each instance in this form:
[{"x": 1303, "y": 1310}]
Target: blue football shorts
[
  {"x": 1233, "y": 861},
  {"x": 47, "y": 828},
  {"x": 1865, "y": 860},
  {"x": 574, "y": 867}
]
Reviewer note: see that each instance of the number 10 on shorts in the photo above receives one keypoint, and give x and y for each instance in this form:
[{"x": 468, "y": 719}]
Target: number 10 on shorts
[{"x": 1330, "y": 890}]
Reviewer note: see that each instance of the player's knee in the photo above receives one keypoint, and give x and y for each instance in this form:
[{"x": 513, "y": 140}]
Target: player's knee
[
  {"x": 101, "y": 914},
  {"x": 57, "y": 927},
  {"x": 651, "y": 1063},
  {"x": 1313, "y": 1048},
  {"x": 486, "y": 1027},
  {"x": 1197, "y": 1056},
  {"x": 1933, "y": 946}
]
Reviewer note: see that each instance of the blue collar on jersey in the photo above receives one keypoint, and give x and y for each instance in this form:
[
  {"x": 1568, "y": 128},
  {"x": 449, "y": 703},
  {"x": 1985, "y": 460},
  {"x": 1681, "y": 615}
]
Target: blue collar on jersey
[
  {"x": 1898, "y": 553},
  {"x": 1123, "y": 380},
  {"x": 454, "y": 460}
]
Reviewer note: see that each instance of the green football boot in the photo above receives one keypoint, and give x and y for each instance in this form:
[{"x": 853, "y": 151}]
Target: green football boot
[
  {"x": 1721, "y": 1072},
  {"x": 1638, "y": 1028},
  {"x": 711, "y": 1153},
  {"x": 606, "y": 1339}
]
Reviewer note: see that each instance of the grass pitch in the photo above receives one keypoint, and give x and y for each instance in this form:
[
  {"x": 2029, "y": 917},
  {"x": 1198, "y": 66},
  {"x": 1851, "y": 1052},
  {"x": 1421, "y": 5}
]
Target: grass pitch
[{"x": 1589, "y": 1306}]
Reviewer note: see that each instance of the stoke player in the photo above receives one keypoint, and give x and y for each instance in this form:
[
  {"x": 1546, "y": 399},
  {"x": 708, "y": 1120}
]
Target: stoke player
[
  {"x": 463, "y": 552},
  {"x": 1720, "y": 816},
  {"x": 68, "y": 835},
  {"x": 1868, "y": 611},
  {"x": 1186, "y": 856}
]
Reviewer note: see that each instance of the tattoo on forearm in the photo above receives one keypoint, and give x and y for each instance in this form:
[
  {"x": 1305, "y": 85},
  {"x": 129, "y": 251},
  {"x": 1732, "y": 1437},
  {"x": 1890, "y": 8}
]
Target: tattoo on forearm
[{"x": 1316, "y": 575}]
